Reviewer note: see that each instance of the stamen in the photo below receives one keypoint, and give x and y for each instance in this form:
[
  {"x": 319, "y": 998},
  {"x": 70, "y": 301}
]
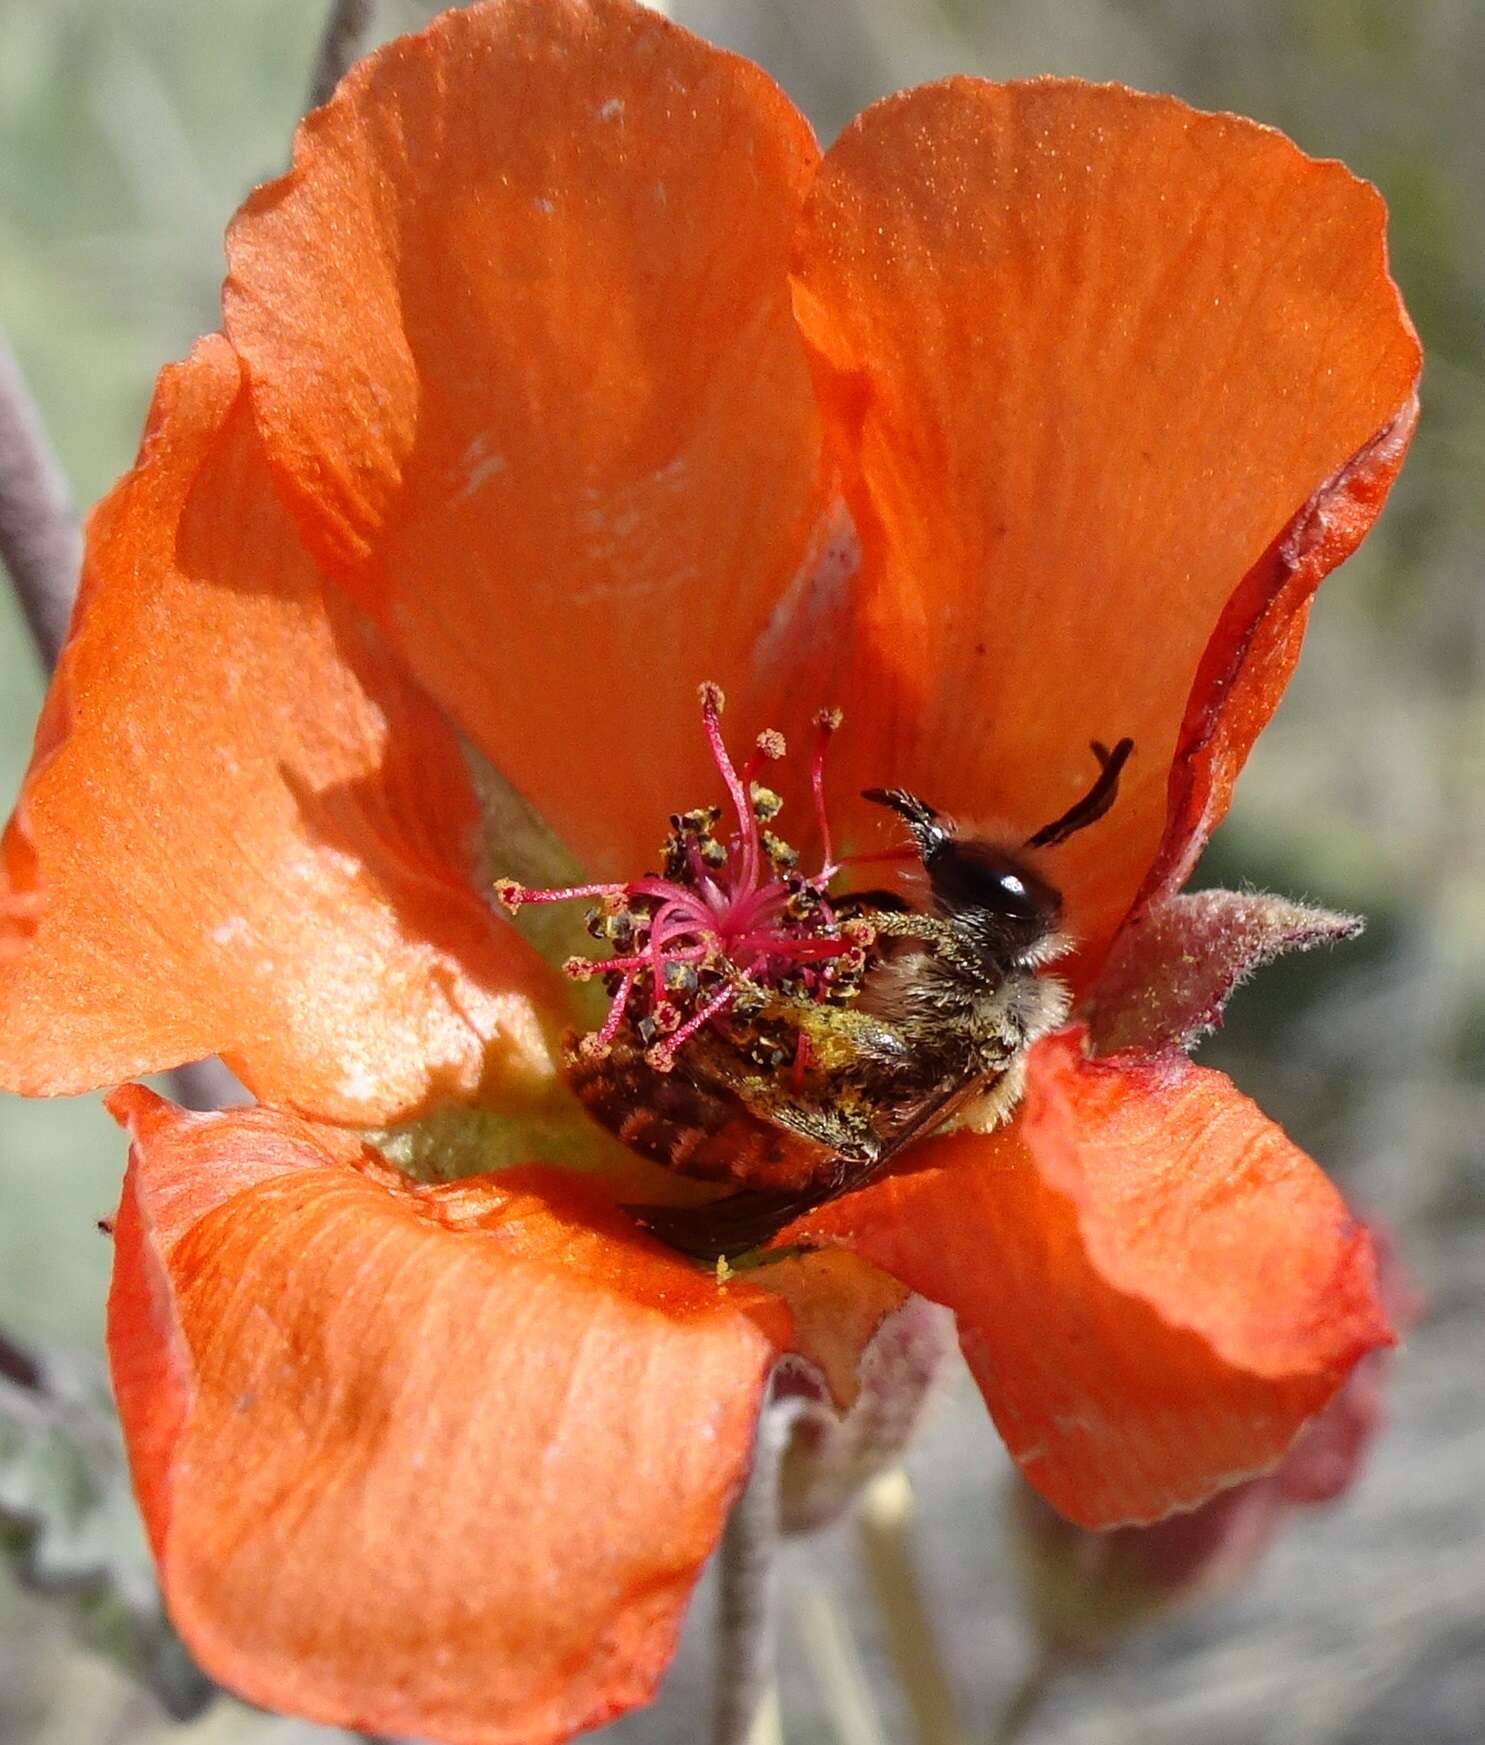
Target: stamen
[
  {"x": 597, "y": 1045},
  {"x": 583, "y": 969},
  {"x": 826, "y": 723},
  {"x": 662, "y": 1055},
  {"x": 512, "y": 893},
  {"x": 804, "y": 1055},
  {"x": 789, "y": 945},
  {"x": 712, "y": 703}
]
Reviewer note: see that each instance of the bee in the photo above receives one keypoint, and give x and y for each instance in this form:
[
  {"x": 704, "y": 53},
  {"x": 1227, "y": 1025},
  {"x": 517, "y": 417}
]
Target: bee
[{"x": 806, "y": 1098}]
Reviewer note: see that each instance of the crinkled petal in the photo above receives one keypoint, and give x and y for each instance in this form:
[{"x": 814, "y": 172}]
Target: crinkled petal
[
  {"x": 1117, "y": 382},
  {"x": 434, "y": 1462},
  {"x": 1155, "y": 1288},
  {"x": 244, "y": 831},
  {"x": 518, "y": 329},
  {"x": 1253, "y": 651}
]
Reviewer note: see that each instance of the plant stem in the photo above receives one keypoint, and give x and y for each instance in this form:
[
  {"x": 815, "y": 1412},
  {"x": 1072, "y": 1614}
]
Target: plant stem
[
  {"x": 745, "y": 1592},
  {"x": 346, "y": 30},
  {"x": 839, "y": 1675},
  {"x": 1025, "y": 1702},
  {"x": 886, "y": 1520}
]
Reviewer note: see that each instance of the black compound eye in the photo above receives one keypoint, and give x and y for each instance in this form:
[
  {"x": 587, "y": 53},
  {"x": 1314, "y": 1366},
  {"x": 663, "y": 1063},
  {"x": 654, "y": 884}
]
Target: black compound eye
[
  {"x": 1009, "y": 892},
  {"x": 976, "y": 875}
]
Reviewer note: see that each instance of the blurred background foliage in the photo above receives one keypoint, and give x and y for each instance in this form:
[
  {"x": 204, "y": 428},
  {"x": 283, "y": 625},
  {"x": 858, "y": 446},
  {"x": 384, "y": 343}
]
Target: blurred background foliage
[{"x": 130, "y": 129}]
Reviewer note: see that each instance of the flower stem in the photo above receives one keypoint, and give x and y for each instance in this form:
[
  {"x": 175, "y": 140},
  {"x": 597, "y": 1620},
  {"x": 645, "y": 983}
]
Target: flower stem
[
  {"x": 346, "y": 30},
  {"x": 745, "y": 1595},
  {"x": 839, "y": 1675},
  {"x": 886, "y": 1519}
]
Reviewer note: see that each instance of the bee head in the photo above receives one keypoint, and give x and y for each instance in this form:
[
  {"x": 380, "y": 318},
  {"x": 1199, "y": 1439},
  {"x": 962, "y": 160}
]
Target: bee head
[
  {"x": 988, "y": 893},
  {"x": 992, "y": 898}
]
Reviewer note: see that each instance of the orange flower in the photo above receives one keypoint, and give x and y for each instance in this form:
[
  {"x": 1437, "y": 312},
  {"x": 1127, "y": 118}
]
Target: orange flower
[{"x": 560, "y": 373}]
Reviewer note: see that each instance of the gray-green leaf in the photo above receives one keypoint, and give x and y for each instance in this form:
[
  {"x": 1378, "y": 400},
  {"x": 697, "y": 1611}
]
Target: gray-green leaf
[{"x": 69, "y": 1527}]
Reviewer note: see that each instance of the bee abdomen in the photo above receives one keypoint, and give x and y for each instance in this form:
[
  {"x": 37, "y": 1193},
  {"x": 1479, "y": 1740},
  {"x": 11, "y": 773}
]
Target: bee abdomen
[{"x": 672, "y": 1120}]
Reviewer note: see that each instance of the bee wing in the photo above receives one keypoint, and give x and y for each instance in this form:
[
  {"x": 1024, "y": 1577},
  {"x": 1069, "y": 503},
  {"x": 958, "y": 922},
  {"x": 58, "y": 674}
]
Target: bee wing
[
  {"x": 945, "y": 1099},
  {"x": 725, "y": 1228}
]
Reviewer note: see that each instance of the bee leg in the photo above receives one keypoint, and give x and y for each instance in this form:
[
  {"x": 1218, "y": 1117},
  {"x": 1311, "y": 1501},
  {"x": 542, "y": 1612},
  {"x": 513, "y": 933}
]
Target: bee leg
[
  {"x": 904, "y": 923},
  {"x": 869, "y": 903},
  {"x": 939, "y": 936}
]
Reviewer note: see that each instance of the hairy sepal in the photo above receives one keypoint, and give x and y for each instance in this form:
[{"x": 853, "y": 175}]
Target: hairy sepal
[{"x": 1175, "y": 965}]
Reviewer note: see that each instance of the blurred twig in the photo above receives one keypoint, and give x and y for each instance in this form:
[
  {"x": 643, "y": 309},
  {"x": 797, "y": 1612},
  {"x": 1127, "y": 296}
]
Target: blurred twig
[
  {"x": 40, "y": 542},
  {"x": 19, "y": 1366},
  {"x": 346, "y": 31}
]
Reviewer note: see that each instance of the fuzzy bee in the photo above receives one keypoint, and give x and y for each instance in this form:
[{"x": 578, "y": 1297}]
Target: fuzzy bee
[{"x": 813, "y": 1098}]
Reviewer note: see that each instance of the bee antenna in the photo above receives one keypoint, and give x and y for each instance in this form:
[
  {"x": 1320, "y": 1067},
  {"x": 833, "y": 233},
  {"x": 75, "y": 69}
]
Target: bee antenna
[
  {"x": 926, "y": 825},
  {"x": 1094, "y": 803}
]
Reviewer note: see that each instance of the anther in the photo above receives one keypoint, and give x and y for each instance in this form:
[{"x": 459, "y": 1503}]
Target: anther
[{"x": 509, "y": 893}]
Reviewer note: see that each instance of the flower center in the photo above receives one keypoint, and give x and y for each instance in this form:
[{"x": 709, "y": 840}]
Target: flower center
[
  {"x": 816, "y": 1036},
  {"x": 729, "y": 924}
]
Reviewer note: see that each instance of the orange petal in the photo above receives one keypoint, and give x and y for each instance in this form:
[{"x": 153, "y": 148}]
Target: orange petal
[
  {"x": 432, "y": 1462},
  {"x": 1094, "y": 359},
  {"x": 1155, "y": 1289},
  {"x": 243, "y": 831},
  {"x": 518, "y": 329}
]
